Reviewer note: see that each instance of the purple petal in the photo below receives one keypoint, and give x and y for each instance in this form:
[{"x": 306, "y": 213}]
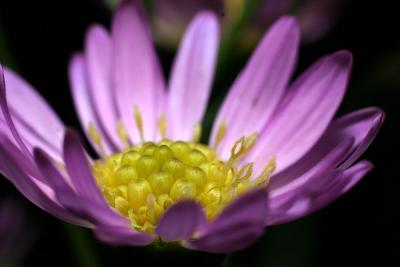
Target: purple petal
[
  {"x": 98, "y": 58},
  {"x": 181, "y": 221},
  {"x": 34, "y": 120},
  {"x": 260, "y": 86},
  {"x": 192, "y": 75},
  {"x": 305, "y": 112},
  {"x": 239, "y": 225},
  {"x": 122, "y": 236},
  {"x": 78, "y": 168},
  {"x": 311, "y": 198},
  {"x": 82, "y": 100},
  {"x": 15, "y": 166},
  {"x": 137, "y": 74},
  {"x": 360, "y": 126}
]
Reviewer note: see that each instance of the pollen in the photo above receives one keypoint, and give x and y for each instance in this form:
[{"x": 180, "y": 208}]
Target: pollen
[{"x": 142, "y": 181}]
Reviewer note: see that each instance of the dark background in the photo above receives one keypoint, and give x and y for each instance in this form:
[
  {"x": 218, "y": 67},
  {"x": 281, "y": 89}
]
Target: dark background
[{"x": 360, "y": 229}]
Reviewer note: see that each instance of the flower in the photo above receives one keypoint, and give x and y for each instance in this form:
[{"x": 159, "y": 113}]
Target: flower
[
  {"x": 13, "y": 230},
  {"x": 275, "y": 153}
]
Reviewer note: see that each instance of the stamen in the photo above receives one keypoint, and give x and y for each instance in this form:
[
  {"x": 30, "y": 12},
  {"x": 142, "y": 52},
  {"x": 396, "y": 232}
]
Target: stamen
[
  {"x": 122, "y": 134},
  {"x": 142, "y": 181},
  {"x": 237, "y": 151},
  {"x": 220, "y": 134},
  {"x": 197, "y": 133},
  {"x": 264, "y": 178},
  {"x": 139, "y": 122},
  {"x": 250, "y": 142},
  {"x": 162, "y": 126},
  {"x": 95, "y": 136}
]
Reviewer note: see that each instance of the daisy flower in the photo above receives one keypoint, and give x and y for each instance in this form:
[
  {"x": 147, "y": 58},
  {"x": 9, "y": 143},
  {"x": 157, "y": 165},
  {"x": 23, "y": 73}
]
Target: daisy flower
[{"x": 275, "y": 153}]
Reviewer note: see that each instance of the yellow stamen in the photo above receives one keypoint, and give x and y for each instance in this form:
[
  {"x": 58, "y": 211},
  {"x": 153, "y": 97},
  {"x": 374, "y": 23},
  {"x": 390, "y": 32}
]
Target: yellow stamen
[
  {"x": 142, "y": 181},
  {"x": 162, "y": 126},
  {"x": 95, "y": 136},
  {"x": 139, "y": 122},
  {"x": 197, "y": 133},
  {"x": 264, "y": 178},
  {"x": 220, "y": 134},
  {"x": 122, "y": 134}
]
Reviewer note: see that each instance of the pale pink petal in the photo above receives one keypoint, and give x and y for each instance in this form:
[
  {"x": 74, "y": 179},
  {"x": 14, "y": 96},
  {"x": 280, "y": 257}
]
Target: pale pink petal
[
  {"x": 137, "y": 77},
  {"x": 192, "y": 75},
  {"x": 260, "y": 86},
  {"x": 98, "y": 58},
  {"x": 83, "y": 104},
  {"x": 28, "y": 116},
  {"x": 305, "y": 112}
]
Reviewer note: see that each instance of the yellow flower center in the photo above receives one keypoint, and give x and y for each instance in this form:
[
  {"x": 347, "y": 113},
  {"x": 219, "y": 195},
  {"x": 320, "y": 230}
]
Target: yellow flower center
[{"x": 142, "y": 181}]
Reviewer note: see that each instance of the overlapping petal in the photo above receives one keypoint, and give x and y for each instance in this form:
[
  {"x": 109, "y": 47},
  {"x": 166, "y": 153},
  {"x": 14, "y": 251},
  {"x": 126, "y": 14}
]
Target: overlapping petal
[
  {"x": 305, "y": 112},
  {"x": 259, "y": 88},
  {"x": 192, "y": 76},
  {"x": 137, "y": 77}
]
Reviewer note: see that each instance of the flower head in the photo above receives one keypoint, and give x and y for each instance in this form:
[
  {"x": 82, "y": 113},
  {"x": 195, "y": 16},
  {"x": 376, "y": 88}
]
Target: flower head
[{"x": 275, "y": 153}]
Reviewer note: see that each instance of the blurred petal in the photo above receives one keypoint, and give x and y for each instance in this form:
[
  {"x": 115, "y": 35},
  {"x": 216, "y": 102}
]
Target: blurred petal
[
  {"x": 83, "y": 105},
  {"x": 98, "y": 58},
  {"x": 122, "y": 236},
  {"x": 137, "y": 74},
  {"x": 192, "y": 75},
  {"x": 260, "y": 86},
  {"x": 181, "y": 221},
  {"x": 33, "y": 118},
  {"x": 305, "y": 112},
  {"x": 238, "y": 226},
  {"x": 13, "y": 165},
  {"x": 77, "y": 165}
]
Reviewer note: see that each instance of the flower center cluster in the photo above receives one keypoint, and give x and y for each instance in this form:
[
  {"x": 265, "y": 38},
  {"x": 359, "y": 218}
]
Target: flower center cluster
[{"x": 141, "y": 182}]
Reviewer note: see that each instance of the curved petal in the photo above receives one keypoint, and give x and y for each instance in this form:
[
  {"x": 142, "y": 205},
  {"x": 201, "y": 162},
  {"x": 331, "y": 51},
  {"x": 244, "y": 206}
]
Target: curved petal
[
  {"x": 312, "y": 198},
  {"x": 122, "y": 236},
  {"x": 239, "y": 225},
  {"x": 84, "y": 107},
  {"x": 33, "y": 118},
  {"x": 98, "y": 58},
  {"x": 360, "y": 126},
  {"x": 259, "y": 88},
  {"x": 363, "y": 125},
  {"x": 77, "y": 165},
  {"x": 137, "y": 74},
  {"x": 305, "y": 112},
  {"x": 181, "y": 221},
  {"x": 14, "y": 165},
  {"x": 192, "y": 75}
]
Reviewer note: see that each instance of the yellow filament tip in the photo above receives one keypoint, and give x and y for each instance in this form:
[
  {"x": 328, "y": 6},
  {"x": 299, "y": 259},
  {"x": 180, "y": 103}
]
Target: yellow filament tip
[
  {"x": 264, "y": 178},
  {"x": 197, "y": 133},
  {"x": 162, "y": 126},
  {"x": 122, "y": 134},
  {"x": 95, "y": 136},
  {"x": 220, "y": 133},
  {"x": 139, "y": 122}
]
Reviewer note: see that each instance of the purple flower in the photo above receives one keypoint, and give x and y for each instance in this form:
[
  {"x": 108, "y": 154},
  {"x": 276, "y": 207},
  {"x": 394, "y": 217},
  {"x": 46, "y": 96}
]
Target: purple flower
[{"x": 275, "y": 153}]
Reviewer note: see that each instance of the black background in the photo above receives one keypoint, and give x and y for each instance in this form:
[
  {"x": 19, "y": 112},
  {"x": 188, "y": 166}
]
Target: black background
[{"x": 360, "y": 229}]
